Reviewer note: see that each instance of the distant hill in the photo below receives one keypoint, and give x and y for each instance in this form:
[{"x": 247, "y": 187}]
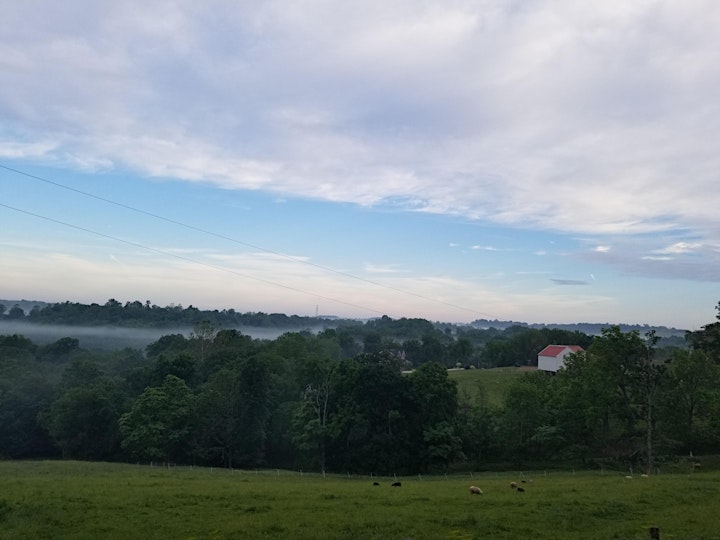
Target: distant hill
[
  {"x": 26, "y": 305},
  {"x": 135, "y": 314},
  {"x": 591, "y": 329}
]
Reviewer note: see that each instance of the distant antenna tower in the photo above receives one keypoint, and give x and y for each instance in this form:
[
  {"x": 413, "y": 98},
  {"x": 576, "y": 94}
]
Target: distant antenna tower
[{"x": 316, "y": 310}]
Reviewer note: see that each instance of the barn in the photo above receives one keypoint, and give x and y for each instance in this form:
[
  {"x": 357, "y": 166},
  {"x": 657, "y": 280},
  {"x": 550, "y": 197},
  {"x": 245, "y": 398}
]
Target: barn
[{"x": 552, "y": 357}]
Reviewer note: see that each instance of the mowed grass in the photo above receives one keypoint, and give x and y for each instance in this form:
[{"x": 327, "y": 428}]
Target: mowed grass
[
  {"x": 492, "y": 382},
  {"x": 99, "y": 500}
]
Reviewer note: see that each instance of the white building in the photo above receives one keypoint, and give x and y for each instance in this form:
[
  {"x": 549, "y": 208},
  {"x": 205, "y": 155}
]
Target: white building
[{"x": 552, "y": 357}]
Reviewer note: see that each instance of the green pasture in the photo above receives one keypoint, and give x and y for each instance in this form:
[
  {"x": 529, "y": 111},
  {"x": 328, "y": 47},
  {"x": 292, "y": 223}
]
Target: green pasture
[
  {"x": 76, "y": 500},
  {"x": 491, "y": 382}
]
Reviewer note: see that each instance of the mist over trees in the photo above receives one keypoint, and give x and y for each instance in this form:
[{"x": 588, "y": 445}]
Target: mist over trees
[{"x": 362, "y": 397}]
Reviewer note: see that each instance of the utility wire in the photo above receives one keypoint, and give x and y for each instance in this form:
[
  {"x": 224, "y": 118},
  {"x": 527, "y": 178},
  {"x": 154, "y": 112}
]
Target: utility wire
[
  {"x": 186, "y": 259},
  {"x": 236, "y": 241}
]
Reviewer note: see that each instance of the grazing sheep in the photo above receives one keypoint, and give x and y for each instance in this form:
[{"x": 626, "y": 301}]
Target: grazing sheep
[
  {"x": 474, "y": 490},
  {"x": 513, "y": 485},
  {"x": 396, "y": 484},
  {"x": 521, "y": 489}
]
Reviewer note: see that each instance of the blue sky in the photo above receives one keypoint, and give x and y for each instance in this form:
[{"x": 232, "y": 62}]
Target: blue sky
[{"x": 541, "y": 161}]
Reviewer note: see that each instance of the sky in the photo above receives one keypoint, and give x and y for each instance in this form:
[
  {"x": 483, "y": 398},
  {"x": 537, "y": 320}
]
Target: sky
[{"x": 541, "y": 160}]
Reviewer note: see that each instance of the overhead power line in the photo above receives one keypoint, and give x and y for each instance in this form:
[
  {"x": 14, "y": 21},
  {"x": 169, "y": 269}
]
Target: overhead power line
[
  {"x": 183, "y": 258},
  {"x": 229, "y": 239}
]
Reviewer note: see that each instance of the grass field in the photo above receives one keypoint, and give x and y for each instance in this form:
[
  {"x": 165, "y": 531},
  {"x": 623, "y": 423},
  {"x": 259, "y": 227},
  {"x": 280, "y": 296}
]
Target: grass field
[
  {"x": 76, "y": 500},
  {"x": 493, "y": 382}
]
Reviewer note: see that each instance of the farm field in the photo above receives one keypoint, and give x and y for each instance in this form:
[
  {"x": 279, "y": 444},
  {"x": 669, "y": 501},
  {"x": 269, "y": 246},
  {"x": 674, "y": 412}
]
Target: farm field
[
  {"x": 82, "y": 500},
  {"x": 493, "y": 382}
]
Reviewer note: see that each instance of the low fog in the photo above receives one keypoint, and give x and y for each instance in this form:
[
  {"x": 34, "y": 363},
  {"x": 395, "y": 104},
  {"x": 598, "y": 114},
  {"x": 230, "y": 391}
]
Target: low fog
[{"x": 112, "y": 337}]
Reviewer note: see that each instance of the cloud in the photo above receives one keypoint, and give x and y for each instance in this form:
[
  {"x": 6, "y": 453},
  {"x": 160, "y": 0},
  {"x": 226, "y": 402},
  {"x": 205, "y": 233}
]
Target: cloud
[
  {"x": 569, "y": 282},
  {"x": 596, "y": 119},
  {"x": 656, "y": 258},
  {"x": 681, "y": 247},
  {"x": 651, "y": 256},
  {"x": 383, "y": 269}
]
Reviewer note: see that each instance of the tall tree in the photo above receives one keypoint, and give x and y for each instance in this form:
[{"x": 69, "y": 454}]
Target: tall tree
[
  {"x": 630, "y": 366},
  {"x": 433, "y": 400},
  {"x": 83, "y": 421},
  {"x": 690, "y": 398},
  {"x": 219, "y": 413},
  {"x": 313, "y": 413},
  {"x": 160, "y": 422},
  {"x": 525, "y": 411}
]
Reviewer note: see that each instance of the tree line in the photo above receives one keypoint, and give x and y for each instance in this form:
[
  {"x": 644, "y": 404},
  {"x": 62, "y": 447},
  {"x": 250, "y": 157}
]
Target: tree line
[{"x": 340, "y": 401}]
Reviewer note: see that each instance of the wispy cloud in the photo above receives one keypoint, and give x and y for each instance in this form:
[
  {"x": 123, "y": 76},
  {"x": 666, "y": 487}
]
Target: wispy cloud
[
  {"x": 681, "y": 247},
  {"x": 569, "y": 282},
  {"x": 383, "y": 268}
]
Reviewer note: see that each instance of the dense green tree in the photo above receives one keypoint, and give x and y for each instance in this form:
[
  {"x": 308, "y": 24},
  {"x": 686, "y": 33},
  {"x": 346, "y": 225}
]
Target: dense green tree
[
  {"x": 461, "y": 351},
  {"x": 254, "y": 388},
  {"x": 433, "y": 350},
  {"x": 476, "y": 422},
  {"x": 183, "y": 366},
  {"x": 169, "y": 345},
  {"x": 372, "y": 343},
  {"x": 443, "y": 445},
  {"x": 60, "y": 351},
  {"x": 160, "y": 421},
  {"x": 25, "y": 392},
  {"x": 433, "y": 402},
  {"x": 228, "y": 349},
  {"x": 690, "y": 400},
  {"x": 79, "y": 373},
  {"x": 313, "y": 412},
  {"x": 367, "y": 423},
  {"x": 707, "y": 339},
  {"x": 83, "y": 421},
  {"x": 202, "y": 336},
  {"x": 15, "y": 346},
  {"x": 219, "y": 413},
  {"x": 527, "y": 413},
  {"x": 16, "y": 313},
  {"x": 234, "y": 412},
  {"x": 629, "y": 366},
  {"x": 585, "y": 404}
]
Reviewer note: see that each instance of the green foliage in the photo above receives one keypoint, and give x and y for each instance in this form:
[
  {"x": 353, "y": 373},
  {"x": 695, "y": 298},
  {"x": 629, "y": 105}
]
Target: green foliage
[
  {"x": 219, "y": 397},
  {"x": 519, "y": 345},
  {"x": 136, "y": 314},
  {"x": 159, "y": 422},
  {"x": 691, "y": 402},
  {"x": 10, "y": 345},
  {"x": 59, "y": 351},
  {"x": 24, "y": 394},
  {"x": 83, "y": 421}
]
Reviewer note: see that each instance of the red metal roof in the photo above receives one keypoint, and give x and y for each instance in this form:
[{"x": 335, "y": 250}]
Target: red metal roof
[{"x": 556, "y": 350}]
